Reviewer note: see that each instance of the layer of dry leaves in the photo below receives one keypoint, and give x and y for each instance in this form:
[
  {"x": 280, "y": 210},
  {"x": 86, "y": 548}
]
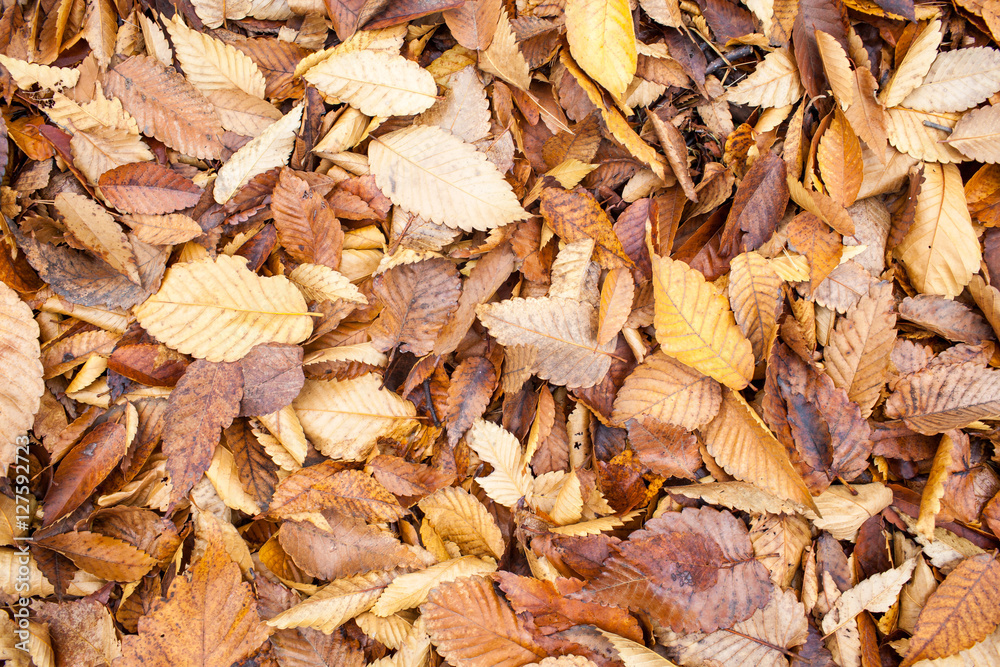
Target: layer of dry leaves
[{"x": 570, "y": 333}]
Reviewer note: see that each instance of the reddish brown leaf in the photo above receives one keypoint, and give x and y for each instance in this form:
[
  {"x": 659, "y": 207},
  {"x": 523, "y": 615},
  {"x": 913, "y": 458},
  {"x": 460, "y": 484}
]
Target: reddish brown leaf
[
  {"x": 552, "y": 612},
  {"x": 760, "y": 200},
  {"x": 418, "y": 300},
  {"x": 306, "y": 226},
  {"x": 272, "y": 378},
  {"x": 205, "y": 401},
  {"x": 692, "y": 571},
  {"x": 469, "y": 394},
  {"x": 148, "y": 363},
  {"x": 102, "y": 556},
  {"x": 148, "y": 188},
  {"x": 84, "y": 468}
]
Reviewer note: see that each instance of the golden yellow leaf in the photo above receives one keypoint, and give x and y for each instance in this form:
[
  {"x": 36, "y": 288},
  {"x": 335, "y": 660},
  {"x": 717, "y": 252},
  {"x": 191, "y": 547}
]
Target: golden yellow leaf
[
  {"x": 669, "y": 392},
  {"x": 96, "y": 230},
  {"x": 914, "y": 66},
  {"x": 210, "y": 64},
  {"x": 837, "y": 68},
  {"x": 321, "y": 283},
  {"x": 336, "y": 603},
  {"x": 460, "y": 518},
  {"x": 408, "y": 591},
  {"x": 602, "y": 40},
  {"x": 908, "y": 133},
  {"x": 218, "y": 310},
  {"x": 695, "y": 325},
  {"x": 941, "y": 250},
  {"x": 168, "y": 229},
  {"x": 756, "y": 297},
  {"x": 840, "y": 162},
  {"x": 503, "y": 57},
  {"x": 344, "y": 418},
  {"x": 742, "y": 444},
  {"x": 27, "y": 74}
]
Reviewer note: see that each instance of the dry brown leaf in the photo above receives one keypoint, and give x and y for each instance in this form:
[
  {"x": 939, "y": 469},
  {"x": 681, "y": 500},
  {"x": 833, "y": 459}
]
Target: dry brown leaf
[
  {"x": 470, "y": 624},
  {"x": 166, "y": 106},
  {"x": 959, "y": 613},
  {"x": 945, "y": 396},
  {"x": 418, "y": 299}
]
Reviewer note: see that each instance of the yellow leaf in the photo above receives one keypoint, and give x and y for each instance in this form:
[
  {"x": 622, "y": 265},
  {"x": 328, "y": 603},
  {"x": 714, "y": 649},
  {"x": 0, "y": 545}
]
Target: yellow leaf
[
  {"x": 375, "y": 82},
  {"x": 343, "y": 419},
  {"x": 271, "y": 149},
  {"x": 941, "y": 250},
  {"x": 695, "y": 325},
  {"x": 226, "y": 479},
  {"x": 336, "y": 603},
  {"x": 837, "y": 68},
  {"x": 503, "y": 58},
  {"x": 742, "y": 444},
  {"x": 460, "y": 518},
  {"x": 510, "y": 480},
  {"x": 977, "y": 135},
  {"x": 218, "y": 310},
  {"x": 669, "y": 392},
  {"x": 914, "y": 66},
  {"x": 408, "y": 591},
  {"x": 321, "y": 283},
  {"x": 210, "y": 64},
  {"x": 908, "y": 133},
  {"x": 957, "y": 80},
  {"x": 756, "y": 297},
  {"x": 561, "y": 330},
  {"x": 94, "y": 227},
  {"x": 602, "y": 40},
  {"x": 434, "y": 174},
  {"x": 774, "y": 83},
  {"x": 27, "y": 74}
]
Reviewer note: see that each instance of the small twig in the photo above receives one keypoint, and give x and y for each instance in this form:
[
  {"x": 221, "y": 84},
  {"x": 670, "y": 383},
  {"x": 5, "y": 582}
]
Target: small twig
[
  {"x": 725, "y": 60},
  {"x": 430, "y": 402},
  {"x": 943, "y": 128},
  {"x": 850, "y": 488}
]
